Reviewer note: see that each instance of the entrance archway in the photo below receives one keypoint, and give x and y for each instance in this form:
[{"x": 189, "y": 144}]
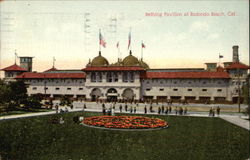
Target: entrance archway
[
  {"x": 95, "y": 94},
  {"x": 128, "y": 94},
  {"x": 112, "y": 95}
]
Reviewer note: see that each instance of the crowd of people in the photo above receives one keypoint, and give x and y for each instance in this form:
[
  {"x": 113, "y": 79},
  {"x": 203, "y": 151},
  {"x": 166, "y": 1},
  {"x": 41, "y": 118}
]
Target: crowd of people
[{"x": 109, "y": 108}]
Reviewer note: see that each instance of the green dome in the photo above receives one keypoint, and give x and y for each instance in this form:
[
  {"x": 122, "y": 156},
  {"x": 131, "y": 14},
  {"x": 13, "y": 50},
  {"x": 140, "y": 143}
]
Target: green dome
[
  {"x": 143, "y": 64},
  {"x": 99, "y": 61},
  {"x": 130, "y": 60}
]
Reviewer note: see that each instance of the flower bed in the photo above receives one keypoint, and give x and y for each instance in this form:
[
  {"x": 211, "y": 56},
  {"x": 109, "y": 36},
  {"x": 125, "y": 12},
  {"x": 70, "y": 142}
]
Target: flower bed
[{"x": 125, "y": 122}]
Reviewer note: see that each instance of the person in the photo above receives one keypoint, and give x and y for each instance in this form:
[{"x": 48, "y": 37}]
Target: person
[
  {"x": 170, "y": 109},
  {"x": 109, "y": 111},
  {"x": 166, "y": 111},
  {"x": 181, "y": 110},
  {"x": 176, "y": 110},
  {"x": 213, "y": 112},
  {"x": 162, "y": 109},
  {"x": 103, "y": 109},
  {"x": 218, "y": 110},
  {"x": 71, "y": 106},
  {"x": 61, "y": 110},
  {"x": 134, "y": 109},
  {"x": 151, "y": 108},
  {"x": 84, "y": 106},
  {"x": 131, "y": 109},
  {"x": 145, "y": 109},
  {"x": 57, "y": 108},
  {"x": 159, "y": 110},
  {"x": 126, "y": 107},
  {"x": 66, "y": 110},
  {"x": 120, "y": 108},
  {"x": 210, "y": 112},
  {"x": 61, "y": 121},
  {"x": 185, "y": 110}
]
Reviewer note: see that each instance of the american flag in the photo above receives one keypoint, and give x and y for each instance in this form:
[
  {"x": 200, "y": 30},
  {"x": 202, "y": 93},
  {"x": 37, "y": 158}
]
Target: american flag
[
  {"x": 129, "y": 39},
  {"x": 102, "y": 41}
]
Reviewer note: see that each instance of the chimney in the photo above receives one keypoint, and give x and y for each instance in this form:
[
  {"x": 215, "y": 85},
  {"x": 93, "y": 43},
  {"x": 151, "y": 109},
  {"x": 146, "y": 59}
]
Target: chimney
[{"x": 235, "y": 54}]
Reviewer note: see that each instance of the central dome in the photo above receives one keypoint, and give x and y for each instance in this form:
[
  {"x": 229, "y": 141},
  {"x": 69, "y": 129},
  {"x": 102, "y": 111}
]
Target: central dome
[
  {"x": 99, "y": 61},
  {"x": 130, "y": 60}
]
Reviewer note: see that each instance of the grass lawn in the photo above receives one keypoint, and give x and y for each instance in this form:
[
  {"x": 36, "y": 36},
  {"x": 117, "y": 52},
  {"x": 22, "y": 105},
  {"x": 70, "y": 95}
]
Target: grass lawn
[
  {"x": 23, "y": 111},
  {"x": 187, "y": 138}
]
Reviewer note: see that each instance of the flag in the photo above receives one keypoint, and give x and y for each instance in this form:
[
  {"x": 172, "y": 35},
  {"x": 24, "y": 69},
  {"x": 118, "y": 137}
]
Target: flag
[
  {"x": 117, "y": 45},
  {"x": 143, "y": 45},
  {"x": 129, "y": 39},
  {"x": 220, "y": 56},
  {"x": 102, "y": 41}
]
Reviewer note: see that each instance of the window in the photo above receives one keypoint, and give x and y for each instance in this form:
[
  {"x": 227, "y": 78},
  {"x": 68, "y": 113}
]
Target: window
[
  {"x": 46, "y": 88},
  {"x": 34, "y": 88},
  {"x": 93, "y": 77},
  {"x": 125, "y": 77},
  {"x": 204, "y": 82},
  {"x": 189, "y": 82},
  {"x": 175, "y": 89},
  {"x": 175, "y": 82},
  {"x": 219, "y": 90},
  {"x": 148, "y": 89},
  {"x": 109, "y": 77},
  {"x": 115, "y": 77},
  {"x": 161, "y": 89},
  {"x": 99, "y": 77},
  {"x": 80, "y": 89},
  {"x": 219, "y": 82},
  {"x": 147, "y": 82},
  {"x": 57, "y": 88},
  {"x": 189, "y": 89},
  {"x": 68, "y": 89},
  {"x": 204, "y": 90}
]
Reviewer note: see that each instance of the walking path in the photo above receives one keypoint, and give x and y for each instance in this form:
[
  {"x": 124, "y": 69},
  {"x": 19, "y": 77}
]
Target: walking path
[{"x": 235, "y": 118}]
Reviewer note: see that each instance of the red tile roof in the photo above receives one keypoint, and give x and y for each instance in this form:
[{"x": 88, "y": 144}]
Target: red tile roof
[
  {"x": 14, "y": 67},
  {"x": 51, "y": 69},
  {"x": 220, "y": 69},
  {"x": 51, "y": 75},
  {"x": 237, "y": 65},
  {"x": 114, "y": 68},
  {"x": 205, "y": 74}
]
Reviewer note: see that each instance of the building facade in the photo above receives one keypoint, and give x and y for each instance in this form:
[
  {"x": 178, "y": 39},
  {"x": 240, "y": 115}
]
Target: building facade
[{"x": 132, "y": 79}]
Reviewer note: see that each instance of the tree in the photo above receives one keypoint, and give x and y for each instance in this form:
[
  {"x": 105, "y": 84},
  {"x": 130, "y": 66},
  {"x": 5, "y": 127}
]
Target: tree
[
  {"x": 18, "y": 93},
  {"x": 4, "y": 96},
  {"x": 65, "y": 101}
]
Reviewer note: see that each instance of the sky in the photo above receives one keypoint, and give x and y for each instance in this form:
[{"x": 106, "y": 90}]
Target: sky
[{"x": 47, "y": 29}]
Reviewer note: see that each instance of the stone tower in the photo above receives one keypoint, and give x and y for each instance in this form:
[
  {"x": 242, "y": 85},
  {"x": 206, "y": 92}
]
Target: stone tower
[
  {"x": 235, "y": 54},
  {"x": 26, "y": 62}
]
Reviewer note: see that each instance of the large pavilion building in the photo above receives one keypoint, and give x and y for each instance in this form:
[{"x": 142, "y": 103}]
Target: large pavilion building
[{"x": 132, "y": 79}]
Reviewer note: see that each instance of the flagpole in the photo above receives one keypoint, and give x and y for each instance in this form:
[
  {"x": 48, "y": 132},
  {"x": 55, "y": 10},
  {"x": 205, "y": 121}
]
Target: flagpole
[
  {"x": 100, "y": 40},
  {"x": 15, "y": 56},
  {"x": 219, "y": 59},
  {"x": 141, "y": 51}
]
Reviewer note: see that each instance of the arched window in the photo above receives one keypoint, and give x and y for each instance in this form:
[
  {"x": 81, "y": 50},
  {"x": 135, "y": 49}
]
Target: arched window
[
  {"x": 125, "y": 76},
  {"x": 109, "y": 77},
  {"x": 99, "y": 77},
  {"x": 93, "y": 77},
  {"x": 132, "y": 77}
]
